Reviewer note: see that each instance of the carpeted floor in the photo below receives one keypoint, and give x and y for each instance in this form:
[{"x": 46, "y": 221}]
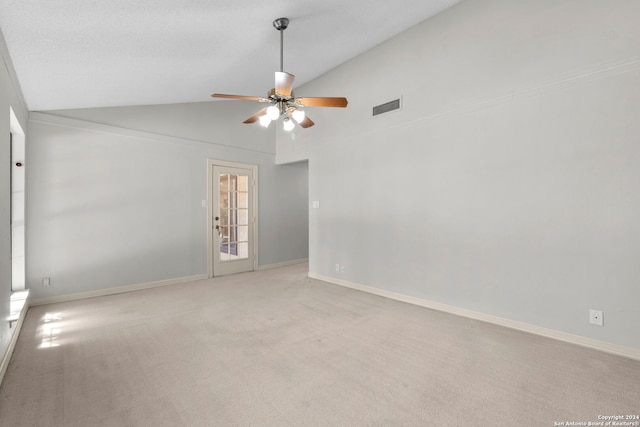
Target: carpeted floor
[{"x": 275, "y": 348}]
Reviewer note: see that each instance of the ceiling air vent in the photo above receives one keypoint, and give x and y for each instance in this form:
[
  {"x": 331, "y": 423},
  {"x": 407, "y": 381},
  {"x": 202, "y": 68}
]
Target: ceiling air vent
[{"x": 386, "y": 107}]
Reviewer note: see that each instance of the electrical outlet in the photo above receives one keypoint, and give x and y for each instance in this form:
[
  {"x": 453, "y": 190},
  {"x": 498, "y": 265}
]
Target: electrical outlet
[
  {"x": 337, "y": 268},
  {"x": 46, "y": 282},
  {"x": 596, "y": 317},
  {"x": 342, "y": 268}
]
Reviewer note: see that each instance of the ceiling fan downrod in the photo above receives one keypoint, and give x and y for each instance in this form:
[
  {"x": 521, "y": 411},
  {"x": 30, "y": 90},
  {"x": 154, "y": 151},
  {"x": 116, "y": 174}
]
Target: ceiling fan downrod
[{"x": 281, "y": 24}]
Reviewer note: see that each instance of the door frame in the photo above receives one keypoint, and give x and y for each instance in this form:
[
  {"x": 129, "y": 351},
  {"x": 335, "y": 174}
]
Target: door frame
[{"x": 210, "y": 187}]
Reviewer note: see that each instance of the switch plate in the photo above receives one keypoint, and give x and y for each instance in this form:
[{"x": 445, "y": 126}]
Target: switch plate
[
  {"x": 596, "y": 317},
  {"x": 315, "y": 204}
]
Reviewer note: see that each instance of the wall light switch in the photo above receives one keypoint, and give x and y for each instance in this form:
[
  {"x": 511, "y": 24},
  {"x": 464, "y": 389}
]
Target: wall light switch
[{"x": 316, "y": 204}]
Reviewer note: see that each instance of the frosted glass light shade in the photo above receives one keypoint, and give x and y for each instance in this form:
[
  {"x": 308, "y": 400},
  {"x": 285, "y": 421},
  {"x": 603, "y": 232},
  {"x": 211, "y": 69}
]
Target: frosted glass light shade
[
  {"x": 298, "y": 116},
  {"x": 264, "y": 121},
  {"x": 288, "y": 124},
  {"x": 273, "y": 112}
]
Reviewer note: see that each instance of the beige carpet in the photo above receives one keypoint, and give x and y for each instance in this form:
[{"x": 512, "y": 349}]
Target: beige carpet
[{"x": 274, "y": 348}]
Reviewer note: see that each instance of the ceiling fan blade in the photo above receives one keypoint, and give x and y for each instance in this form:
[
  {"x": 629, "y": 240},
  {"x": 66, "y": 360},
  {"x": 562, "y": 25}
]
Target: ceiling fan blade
[
  {"x": 306, "y": 122},
  {"x": 256, "y": 116},
  {"x": 246, "y": 98},
  {"x": 322, "y": 102},
  {"x": 284, "y": 83}
]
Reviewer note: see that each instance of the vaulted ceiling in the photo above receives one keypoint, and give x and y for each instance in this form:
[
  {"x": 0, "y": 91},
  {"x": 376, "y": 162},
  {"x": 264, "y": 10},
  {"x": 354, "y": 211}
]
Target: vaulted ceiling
[{"x": 96, "y": 53}]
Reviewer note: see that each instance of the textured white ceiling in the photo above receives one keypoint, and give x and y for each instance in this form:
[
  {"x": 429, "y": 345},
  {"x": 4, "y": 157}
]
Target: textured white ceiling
[{"x": 95, "y": 53}]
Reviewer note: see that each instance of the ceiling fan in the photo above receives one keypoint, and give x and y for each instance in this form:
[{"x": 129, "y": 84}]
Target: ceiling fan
[{"x": 281, "y": 97}]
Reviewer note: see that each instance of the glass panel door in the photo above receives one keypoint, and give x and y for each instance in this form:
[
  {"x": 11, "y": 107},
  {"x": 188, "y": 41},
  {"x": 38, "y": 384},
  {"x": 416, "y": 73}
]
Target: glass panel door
[{"x": 233, "y": 220}]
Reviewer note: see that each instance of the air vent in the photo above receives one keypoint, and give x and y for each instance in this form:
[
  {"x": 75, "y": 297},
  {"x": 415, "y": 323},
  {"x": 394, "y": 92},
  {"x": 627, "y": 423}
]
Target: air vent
[{"x": 386, "y": 107}]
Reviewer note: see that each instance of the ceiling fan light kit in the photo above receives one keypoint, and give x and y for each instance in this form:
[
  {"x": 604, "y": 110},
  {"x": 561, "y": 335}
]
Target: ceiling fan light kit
[{"x": 283, "y": 102}]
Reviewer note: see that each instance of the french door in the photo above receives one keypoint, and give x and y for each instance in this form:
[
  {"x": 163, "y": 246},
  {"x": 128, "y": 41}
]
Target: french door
[{"x": 233, "y": 219}]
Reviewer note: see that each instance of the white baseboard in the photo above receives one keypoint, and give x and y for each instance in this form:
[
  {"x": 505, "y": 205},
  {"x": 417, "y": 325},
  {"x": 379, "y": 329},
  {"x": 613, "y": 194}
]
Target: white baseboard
[
  {"x": 113, "y": 291},
  {"x": 513, "y": 324},
  {"x": 17, "y": 327},
  {"x": 283, "y": 264}
]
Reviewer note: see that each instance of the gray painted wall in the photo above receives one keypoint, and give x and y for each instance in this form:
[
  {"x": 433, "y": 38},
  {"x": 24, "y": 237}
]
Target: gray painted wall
[
  {"x": 508, "y": 184},
  {"x": 10, "y": 97},
  {"x": 112, "y": 207}
]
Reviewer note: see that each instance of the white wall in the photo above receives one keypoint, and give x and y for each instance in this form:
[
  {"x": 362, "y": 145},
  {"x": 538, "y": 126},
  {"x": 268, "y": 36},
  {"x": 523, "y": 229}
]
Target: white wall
[
  {"x": 509, "y": 183},
  {"x": 10, "y": 97},
  {"x": 115, "y": 194}
]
